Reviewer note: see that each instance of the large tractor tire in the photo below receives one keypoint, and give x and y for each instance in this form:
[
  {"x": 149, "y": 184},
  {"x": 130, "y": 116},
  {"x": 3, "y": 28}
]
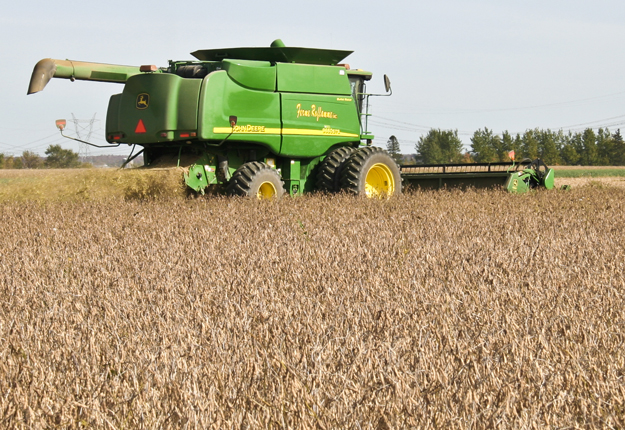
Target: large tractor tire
[
  {"x": 329, "y": 174},
  {"x": 256, "y": 179},
  {"x": 370, "y": 171}
]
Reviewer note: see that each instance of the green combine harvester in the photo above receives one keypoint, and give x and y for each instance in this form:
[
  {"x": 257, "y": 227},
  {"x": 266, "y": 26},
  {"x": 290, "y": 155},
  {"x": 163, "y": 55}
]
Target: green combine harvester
[{"x": 265, "y": 121}]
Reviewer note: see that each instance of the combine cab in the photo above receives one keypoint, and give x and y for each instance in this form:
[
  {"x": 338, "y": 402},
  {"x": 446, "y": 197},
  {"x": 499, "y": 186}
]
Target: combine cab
[{"x": 259, "y": 122}]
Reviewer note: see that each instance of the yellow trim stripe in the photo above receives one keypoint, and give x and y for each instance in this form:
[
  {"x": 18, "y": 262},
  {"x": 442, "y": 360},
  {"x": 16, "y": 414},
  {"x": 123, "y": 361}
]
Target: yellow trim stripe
[
  {"x": 323, "y": 132},
  {"x": 288, "y": 132},
  {"x": 228, "y": 130}
]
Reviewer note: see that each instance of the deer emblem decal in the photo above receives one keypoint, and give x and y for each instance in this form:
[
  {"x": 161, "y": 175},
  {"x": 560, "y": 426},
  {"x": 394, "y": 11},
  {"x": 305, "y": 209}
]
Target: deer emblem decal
[{"x": 143, "y": 100}]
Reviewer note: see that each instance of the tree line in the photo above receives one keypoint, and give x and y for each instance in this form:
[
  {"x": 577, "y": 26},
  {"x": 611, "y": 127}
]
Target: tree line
[
  {"x": 586, "y": 148},
  {"x": 56, "y": 158}
]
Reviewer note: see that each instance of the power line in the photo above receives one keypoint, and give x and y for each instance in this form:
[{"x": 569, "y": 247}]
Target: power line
[
  {"x": 594, "y": 122},
  {"x": 444, "y": 111},
  {"x": 406, "y": 126},
  {"x": 35, "y": 144}
]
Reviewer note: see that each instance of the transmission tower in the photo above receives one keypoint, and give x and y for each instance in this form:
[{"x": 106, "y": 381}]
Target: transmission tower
[{"x": 83, "y": 127}]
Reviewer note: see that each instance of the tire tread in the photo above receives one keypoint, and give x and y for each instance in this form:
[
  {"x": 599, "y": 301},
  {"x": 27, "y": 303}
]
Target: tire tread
[
  {"x": 329, "y": 176},
  {"x": 240, "y": 183}
]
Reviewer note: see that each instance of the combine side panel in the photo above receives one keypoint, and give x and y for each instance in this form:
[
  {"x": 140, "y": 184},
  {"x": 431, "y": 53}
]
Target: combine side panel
[
  {"x": 256, "y": 75},
  {"x": 113, "y": 126},
  {"x": 313, "y": 123},
  {"x": 306, "y": 78},
  {"x": 318, "y": 111},
  {"x": 154, "y": 108},
  {"x": 549, "y": 179},
  {"x": 257, "y": 112},
  {"x": 517, "y": 183}
]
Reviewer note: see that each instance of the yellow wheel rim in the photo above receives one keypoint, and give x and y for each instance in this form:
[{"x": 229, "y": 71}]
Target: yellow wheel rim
[
  {"x": 379, "y": 181},
  {"x": 266, "y": 191}
]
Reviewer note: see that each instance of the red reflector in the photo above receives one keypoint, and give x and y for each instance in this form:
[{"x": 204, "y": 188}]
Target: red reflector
[
  {"x": 164, "y": 134},
  {"x": 140, "y": 127},
  {"x": 184, "y": 134},
  {"x": 148, "y": 68},
  {"x": 193, "y": 134},
  {"x": 116, "y": 137}
]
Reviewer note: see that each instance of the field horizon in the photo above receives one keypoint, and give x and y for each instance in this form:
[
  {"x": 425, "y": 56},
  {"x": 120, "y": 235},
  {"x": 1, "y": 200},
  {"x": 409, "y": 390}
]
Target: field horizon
[{"x": 52, "y": 185}]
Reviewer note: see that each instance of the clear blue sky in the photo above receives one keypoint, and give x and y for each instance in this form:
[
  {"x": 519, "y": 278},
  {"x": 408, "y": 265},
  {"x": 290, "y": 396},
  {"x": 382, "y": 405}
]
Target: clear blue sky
[{"x": 465, "y": 65}]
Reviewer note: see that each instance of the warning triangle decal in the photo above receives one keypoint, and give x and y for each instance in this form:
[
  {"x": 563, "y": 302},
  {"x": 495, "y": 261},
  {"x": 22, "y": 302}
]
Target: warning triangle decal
[{"x": 140, "y": 127}]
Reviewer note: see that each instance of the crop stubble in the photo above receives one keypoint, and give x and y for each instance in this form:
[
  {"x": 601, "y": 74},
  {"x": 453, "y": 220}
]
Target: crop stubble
[{"x": 446, "y": 309}]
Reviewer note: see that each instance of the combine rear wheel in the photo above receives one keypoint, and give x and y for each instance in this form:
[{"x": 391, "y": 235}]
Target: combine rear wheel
[
  {"x": 372, "y": 172},
  {"x": 256, "y": 179},
  {"x": 329, "y": 176}
]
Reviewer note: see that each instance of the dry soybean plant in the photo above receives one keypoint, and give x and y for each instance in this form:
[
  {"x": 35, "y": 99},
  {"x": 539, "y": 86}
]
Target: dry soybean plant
[
  {"x": 437, "y": 309},
  {"x": 75, "y": 185}
]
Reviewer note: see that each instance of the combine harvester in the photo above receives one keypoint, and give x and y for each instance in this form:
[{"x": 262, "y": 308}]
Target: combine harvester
[{"x": 265, "y": 121}]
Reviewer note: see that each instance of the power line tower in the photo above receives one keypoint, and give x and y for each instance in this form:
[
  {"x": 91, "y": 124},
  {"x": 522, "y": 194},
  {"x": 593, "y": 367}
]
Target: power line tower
[{"x": 83, "y": 127}]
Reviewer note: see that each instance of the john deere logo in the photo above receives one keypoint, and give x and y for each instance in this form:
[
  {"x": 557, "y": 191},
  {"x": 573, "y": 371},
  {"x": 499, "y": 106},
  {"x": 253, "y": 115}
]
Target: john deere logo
[{"x": 143, "y": 100}]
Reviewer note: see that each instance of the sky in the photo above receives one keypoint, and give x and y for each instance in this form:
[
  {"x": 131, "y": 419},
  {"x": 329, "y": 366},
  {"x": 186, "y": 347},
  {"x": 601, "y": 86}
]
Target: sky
[{"x": 453, "y": 65}]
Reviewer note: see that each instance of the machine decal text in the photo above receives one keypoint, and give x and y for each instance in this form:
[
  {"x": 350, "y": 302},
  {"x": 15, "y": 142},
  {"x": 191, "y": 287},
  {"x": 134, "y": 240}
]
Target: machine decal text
[
  {"x": 249, "y": 129},
  {"x": 329, "y": 130},
  {"x": 314, "y": 111}
]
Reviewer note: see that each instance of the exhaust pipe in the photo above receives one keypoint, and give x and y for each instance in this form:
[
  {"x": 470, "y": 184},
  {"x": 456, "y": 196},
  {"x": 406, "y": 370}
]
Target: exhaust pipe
[{"x": 48, "y": 68}]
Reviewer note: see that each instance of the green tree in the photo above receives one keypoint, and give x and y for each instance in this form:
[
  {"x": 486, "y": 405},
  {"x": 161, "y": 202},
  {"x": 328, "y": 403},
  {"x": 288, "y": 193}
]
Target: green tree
[
  {"x": 59, "y": 158},
  {"x": 589, "y": 156},
  {"x": 31, "y": 160},
  {"x": 530, "y": 144},
  {"x": 547, "y": 146},
  {"x": 1, "y": 160},
  {"x": 518, "y": 147},
  {"x": 569, "y": 149},
  {"x": 485, "y": 145},
  {"x": 394, "y": 150},
  {"x": 507, "y": 145},
  {"x": 16, "y": 163},
  {"x": 619, "y": 148},
  {"x": 439, "y": 146},
  {"x": 578, "y": 144},
  {"x": 605, "y": 148},
  {"x": 501, "y": 148}
]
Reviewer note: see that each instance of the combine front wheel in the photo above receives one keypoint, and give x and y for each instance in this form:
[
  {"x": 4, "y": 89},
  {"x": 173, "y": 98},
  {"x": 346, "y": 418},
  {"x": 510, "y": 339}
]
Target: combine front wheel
[
  {"x": 329, "y": 176},
  {"x": 256, "y": 179},
  {"x": 372, "y": 172}
]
